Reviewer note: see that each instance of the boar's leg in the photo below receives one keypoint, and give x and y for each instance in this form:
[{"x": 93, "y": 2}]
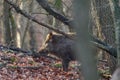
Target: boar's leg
[{"x": 65, "y": 64}]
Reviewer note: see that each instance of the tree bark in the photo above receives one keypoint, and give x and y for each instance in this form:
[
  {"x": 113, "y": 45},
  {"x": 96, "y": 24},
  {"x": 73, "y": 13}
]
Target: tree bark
[
  {"x": 6, "y": 24},
  {"x": 85, "y": 50}
]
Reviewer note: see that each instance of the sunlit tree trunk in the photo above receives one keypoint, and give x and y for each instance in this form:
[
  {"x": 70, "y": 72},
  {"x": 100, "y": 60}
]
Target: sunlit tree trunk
[{"x": 18, "y": 23}]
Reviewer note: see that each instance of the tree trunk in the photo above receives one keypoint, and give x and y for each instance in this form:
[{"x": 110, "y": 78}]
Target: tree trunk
[
  {"x": 84, "y": 48},
  {"x": 117, "y": 27},
  {"x": 6, "y": 24},
  {"x": 13, "y": 29},
  {"x": 105, "y": 27}
]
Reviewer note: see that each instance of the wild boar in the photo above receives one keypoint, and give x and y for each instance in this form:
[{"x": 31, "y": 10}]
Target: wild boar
[{"x": 60, "y": 46}]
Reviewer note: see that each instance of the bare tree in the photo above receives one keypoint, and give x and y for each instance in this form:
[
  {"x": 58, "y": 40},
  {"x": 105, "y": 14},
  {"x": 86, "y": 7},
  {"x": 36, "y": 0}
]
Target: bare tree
[
  {"x": 117, "y": 28},
  {"x": 84, "y": 48},
  {"x": 7, "y": 30}
]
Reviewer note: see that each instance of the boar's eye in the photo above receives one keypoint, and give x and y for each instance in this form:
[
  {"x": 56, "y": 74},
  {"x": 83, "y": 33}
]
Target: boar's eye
[{"x": 54, "y": 39}]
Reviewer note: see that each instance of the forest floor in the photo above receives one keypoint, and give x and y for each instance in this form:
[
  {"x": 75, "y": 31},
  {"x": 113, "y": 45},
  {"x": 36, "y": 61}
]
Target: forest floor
[{"x": 18, "y": 67}]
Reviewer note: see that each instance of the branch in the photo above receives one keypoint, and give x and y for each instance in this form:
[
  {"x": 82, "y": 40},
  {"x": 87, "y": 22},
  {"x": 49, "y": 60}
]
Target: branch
[
  {"x": 104, "y": 46},
  {"x": 25, "y": 52},
  {"x": 3, "y": 48},
  {"x": 55, "y": 13},
  {"x": 25, "y": 14}
]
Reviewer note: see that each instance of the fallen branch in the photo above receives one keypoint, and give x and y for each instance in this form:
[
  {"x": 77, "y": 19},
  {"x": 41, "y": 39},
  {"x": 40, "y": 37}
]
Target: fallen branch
[
  {"x": 18, "y": 50},
  {"x": 25, "y": 52}
]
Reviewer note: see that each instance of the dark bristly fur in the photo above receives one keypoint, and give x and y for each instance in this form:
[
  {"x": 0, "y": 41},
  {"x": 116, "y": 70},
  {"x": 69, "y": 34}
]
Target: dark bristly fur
[{"x": 59, "y": 46}]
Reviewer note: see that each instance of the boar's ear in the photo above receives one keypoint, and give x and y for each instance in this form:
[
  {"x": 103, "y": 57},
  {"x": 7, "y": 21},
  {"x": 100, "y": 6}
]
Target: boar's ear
[
  {"x": 49, "y": 37},
  {"x": 50, "y": 34}
]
